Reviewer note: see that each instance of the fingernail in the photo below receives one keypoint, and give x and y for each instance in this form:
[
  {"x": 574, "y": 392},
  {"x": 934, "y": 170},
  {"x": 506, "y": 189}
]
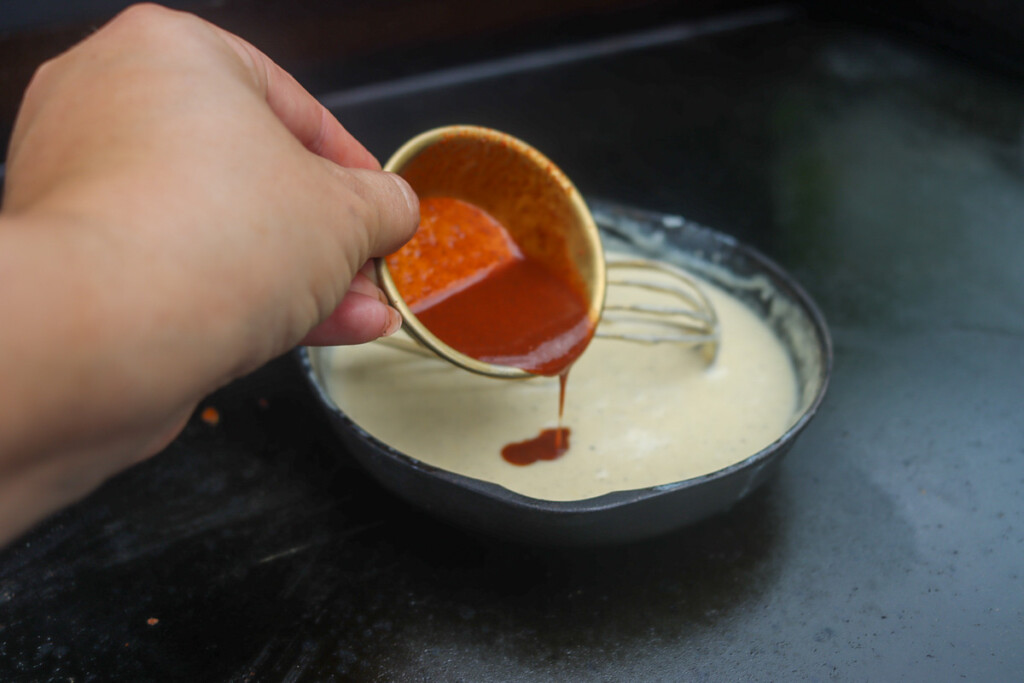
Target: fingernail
[{"x": 394, "y": 322}]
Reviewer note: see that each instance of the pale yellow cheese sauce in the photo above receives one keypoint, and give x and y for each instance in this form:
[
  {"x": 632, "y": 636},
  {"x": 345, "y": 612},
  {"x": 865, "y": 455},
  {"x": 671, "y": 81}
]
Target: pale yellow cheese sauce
[{"x": 639, "y": 415}]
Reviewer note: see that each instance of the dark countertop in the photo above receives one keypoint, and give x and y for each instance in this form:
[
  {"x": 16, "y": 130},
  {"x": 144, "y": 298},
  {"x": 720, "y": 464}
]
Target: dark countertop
[{"x": 887, "y": 177}]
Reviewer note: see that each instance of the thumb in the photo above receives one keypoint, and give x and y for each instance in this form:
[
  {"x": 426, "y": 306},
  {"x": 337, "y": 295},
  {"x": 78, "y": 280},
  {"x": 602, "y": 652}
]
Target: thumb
[{"x": 388, "y": 210}]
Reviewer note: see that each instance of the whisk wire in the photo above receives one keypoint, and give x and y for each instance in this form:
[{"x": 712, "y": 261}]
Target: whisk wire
[{"x": 687, "y": 318}]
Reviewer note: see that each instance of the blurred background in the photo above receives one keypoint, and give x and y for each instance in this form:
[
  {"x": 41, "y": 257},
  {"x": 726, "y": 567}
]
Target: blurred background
[{"x": 331, "y": 45}]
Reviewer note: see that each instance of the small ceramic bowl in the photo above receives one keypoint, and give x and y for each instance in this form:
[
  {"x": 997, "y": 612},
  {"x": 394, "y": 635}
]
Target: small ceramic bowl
[
  {"x": 524, "y": 191},
  {"x": 640, "y": 513}
]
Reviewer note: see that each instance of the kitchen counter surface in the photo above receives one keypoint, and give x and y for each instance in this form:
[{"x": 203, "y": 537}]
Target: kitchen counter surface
[{"x": 889, "y": 178}]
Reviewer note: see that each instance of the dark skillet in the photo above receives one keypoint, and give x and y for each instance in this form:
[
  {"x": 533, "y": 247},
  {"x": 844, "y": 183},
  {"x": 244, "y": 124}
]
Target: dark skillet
[{"x": 641, "y": 513}]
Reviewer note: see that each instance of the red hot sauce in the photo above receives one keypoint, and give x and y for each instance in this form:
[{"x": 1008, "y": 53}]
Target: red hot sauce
[{"x": 467, "y": 281}]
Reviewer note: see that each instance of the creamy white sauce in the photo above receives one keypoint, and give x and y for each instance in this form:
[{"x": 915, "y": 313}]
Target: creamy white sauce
[{"x": 639, "y": 415}]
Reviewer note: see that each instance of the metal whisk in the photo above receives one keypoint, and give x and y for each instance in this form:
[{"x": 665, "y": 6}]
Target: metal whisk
[
  {"x": 677, "y": 311},
  {"x": 682, "y": 315}
]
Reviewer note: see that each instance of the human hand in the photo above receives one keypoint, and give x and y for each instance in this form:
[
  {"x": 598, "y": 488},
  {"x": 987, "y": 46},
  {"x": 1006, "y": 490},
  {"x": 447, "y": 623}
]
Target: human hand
[{"x": 177, "y": 211}]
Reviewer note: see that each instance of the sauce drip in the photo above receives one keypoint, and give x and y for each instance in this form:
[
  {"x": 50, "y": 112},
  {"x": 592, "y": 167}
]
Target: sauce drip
[
  {"x": 548, "y": 445},
  {"x": 468, "y": 282}
]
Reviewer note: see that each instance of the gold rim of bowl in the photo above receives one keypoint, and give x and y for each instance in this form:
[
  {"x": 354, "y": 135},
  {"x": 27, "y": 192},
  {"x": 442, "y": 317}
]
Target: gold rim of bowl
[{"x": 588, "y": 256}]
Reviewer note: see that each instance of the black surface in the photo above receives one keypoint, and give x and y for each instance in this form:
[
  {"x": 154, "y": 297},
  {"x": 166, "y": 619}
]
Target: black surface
[
  {"x": 888, "y": 178},
  {"x": 328, "y": 45}
]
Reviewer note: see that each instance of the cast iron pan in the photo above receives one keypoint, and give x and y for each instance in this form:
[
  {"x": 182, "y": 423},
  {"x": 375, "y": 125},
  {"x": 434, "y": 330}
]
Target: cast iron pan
[{"x": 623, "y": 515}]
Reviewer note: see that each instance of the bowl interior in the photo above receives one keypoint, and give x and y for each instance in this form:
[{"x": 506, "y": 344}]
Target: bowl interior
[
  {"x": 744, "y": 273},
  {"x": 517, "y": 185},
  {"x": 638, "y": 513}
]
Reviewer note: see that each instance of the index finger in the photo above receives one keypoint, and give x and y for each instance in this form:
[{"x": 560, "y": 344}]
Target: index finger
[{"x": 300, "y": 112}]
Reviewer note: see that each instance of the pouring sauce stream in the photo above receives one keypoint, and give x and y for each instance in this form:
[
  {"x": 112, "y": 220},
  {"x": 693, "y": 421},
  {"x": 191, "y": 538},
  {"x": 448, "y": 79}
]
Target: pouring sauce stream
[{"x": 492, "y": 302}]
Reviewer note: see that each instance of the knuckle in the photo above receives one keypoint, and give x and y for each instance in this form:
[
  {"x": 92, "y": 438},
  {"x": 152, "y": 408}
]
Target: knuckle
[
  {"x": 139, "y": 17},
  {"x": 143, "y": 13},
  {"x": 152, "y": 25},
  {"x": 44, "y": 72}
]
